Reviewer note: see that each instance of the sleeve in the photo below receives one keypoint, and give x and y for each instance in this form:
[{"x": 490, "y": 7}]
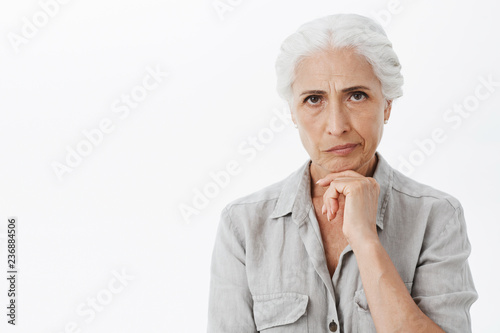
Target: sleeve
[
  {"x": 230, "y": 306},
  {"x": 443, "y": 287}
]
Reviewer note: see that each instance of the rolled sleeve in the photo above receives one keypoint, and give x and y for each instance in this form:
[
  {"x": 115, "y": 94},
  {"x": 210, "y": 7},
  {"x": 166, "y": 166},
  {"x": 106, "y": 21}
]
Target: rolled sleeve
[
  {"x": 443, "y": 287},
  {"x": 230, "y": 301}
]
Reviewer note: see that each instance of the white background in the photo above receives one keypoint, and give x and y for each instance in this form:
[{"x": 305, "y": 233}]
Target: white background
[{"x": 119, "y": 208}]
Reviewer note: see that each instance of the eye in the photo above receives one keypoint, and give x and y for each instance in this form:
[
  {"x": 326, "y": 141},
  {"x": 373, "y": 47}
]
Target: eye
[
  {"x": 313, "y": 99},
  {"x": 358, "y": 96}
]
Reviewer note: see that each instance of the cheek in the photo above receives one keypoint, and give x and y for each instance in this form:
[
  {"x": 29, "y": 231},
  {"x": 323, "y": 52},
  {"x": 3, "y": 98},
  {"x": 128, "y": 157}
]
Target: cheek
[
  {"x": 310, "y": 136},
  {"x": 370, "y": 123},
  {"x": 309, "y": 119},
  {"x": 371, "y": 132}
]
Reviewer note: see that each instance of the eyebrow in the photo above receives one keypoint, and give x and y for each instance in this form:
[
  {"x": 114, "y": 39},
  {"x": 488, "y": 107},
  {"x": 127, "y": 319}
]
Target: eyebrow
[{"x": 345, "y": 90}]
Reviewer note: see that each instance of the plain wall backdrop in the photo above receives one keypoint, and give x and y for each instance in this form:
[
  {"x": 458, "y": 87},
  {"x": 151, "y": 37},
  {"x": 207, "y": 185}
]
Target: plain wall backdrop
[{"x": 118, "y": 118}]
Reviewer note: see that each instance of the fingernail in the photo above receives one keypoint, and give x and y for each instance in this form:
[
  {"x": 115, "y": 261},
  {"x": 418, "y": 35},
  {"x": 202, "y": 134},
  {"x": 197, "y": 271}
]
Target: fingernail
[
  {"x": 319, "y": 181},
  {"x": 323, "y": 209}
]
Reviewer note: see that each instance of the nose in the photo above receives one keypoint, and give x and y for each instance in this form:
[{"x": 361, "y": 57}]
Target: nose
[{"x": 338, "y": 119}]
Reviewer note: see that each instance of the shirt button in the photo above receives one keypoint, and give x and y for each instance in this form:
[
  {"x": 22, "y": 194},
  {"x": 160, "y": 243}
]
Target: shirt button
[{"x": 333, "y": 326}]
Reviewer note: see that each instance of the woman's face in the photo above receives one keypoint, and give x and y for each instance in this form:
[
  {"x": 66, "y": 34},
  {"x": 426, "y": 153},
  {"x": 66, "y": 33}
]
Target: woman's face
[{"x": 337, "y": 100}]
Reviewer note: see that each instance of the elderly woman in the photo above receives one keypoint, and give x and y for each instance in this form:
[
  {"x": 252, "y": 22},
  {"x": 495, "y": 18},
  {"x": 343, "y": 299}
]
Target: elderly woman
[{"x": 346, "y": 243}]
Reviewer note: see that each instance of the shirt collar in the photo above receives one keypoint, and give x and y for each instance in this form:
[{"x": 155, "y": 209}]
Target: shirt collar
[{"x": 295, "y": 195}]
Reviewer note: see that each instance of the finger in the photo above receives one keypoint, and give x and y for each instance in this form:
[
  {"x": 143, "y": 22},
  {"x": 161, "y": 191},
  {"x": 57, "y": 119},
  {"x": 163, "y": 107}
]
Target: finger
[
  {"x": 327, "y": 209},
  {"x": 325, "y": 181},
  {"x": 334, "y": 204},
  {"x": 330, "y": 201}
]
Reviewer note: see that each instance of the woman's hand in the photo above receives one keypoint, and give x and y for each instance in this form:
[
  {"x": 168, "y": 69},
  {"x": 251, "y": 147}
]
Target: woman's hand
[
  {"x": 360, "y": 207},
  {"x": 391, "y": 306}
]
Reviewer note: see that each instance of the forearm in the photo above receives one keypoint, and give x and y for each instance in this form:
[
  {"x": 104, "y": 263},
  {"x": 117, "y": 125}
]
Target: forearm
[{"x": 391, "y": 306}]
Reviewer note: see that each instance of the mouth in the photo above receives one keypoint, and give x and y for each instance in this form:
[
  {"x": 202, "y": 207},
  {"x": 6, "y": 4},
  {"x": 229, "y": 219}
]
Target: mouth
[{"x": 343, "y": 150}]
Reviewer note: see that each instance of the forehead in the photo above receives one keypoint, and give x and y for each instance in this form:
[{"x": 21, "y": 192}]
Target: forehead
[{"x": 339, "y": 68}]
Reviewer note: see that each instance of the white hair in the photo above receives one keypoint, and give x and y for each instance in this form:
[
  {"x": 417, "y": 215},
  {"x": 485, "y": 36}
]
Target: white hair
[{"x": 361, "y": 33}]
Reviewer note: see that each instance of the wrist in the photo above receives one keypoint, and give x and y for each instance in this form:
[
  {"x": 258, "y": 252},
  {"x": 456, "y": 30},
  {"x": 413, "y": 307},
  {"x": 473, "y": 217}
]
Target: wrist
[{"x": 366, "y": 242}]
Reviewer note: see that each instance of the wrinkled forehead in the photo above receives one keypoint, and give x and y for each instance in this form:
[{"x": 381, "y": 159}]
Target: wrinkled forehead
[{"x": 334, "y": 69}]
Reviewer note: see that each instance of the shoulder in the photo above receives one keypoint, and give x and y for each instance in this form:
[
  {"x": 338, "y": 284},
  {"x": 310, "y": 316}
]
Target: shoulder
[
  {"x": 253, "y": 210},
  {"x": 264, "y": 198},
  {"x": 423, "y": 197},
  {"x": 246, "y": 216},
  {"x": 423, "y": 214}
]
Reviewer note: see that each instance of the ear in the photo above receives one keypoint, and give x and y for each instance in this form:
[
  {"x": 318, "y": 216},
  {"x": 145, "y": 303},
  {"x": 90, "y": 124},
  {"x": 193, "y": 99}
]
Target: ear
[{"x": 387, "y": 111}]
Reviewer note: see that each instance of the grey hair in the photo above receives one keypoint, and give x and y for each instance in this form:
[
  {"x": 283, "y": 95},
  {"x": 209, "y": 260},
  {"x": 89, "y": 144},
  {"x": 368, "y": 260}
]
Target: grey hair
[{"x": 361, "y": 33}]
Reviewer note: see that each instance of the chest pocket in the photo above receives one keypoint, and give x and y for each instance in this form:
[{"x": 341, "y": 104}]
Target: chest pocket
[
  {"x": 280, "y": 312},
  {"x": 362, "y": 311}
]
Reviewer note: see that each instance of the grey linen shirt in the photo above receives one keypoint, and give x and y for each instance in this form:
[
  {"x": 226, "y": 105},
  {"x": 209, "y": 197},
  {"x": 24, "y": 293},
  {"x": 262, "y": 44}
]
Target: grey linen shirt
[{"x": 269, "y": 274}]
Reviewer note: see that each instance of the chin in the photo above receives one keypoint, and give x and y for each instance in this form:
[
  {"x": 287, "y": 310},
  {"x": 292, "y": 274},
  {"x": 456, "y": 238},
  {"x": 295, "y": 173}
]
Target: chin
[{"x": 339, "y": 164}]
